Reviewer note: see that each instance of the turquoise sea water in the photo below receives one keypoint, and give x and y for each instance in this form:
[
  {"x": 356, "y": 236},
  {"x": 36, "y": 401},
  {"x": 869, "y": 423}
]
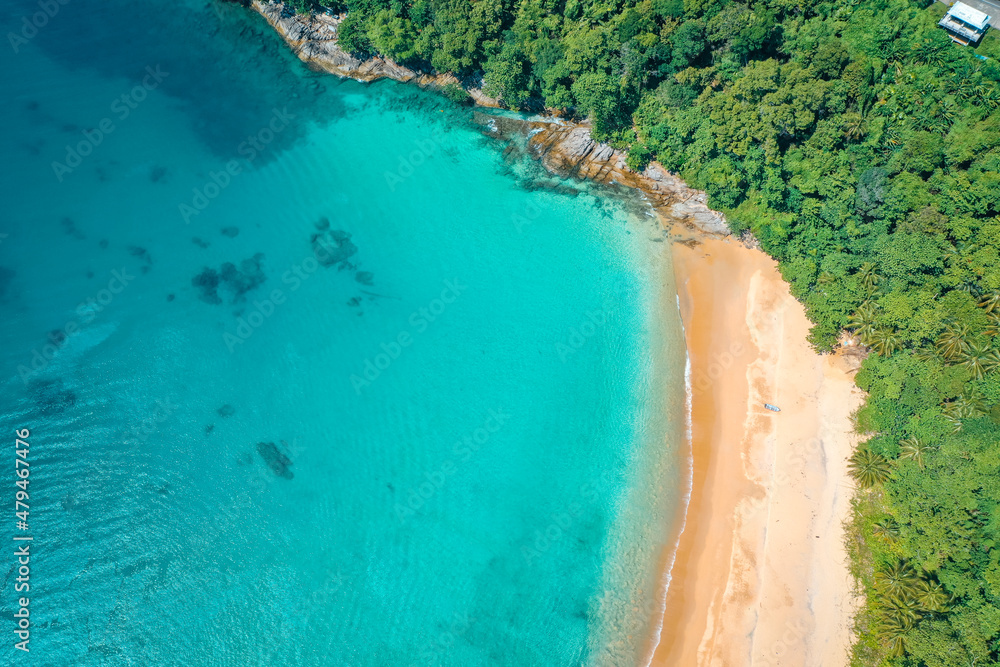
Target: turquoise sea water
[{"x": 313, "y": 374}]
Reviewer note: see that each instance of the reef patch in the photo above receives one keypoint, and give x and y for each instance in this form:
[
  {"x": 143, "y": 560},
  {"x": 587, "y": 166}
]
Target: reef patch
[{"x": 275, "y": 459}]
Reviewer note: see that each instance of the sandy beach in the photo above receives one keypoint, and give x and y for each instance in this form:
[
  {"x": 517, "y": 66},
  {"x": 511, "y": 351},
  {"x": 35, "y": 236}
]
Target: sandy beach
[{"x": 760, "y": 576}]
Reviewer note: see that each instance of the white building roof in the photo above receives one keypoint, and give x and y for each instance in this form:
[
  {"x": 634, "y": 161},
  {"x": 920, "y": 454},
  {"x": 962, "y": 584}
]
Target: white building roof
[{"x": 969, "y": 15}]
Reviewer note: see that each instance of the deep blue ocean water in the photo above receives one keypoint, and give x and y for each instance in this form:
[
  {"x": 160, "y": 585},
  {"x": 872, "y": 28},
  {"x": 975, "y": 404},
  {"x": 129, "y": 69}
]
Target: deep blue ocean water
[{"x": 314, "y": 374}]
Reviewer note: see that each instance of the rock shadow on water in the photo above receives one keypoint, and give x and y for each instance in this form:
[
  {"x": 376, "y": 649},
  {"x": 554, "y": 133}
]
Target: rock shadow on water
[{"x": 275, "y": 459}]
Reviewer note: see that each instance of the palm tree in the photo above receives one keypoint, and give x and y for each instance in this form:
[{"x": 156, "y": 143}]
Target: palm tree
[
  {"x": 990, "y": 301},
  {"x": 966, "y": 405},
  {"x": 980, "y": 359},
  {"x": 869, "y": 277},
  {"x": 885, "y": 342},
  {"x": 887, "y": 529},
  {"x": 930, "y": 52},
  {"x": 993, "y": 328},
  {"x": 863, "y": 321},
  {"x": 953, "y": 340},
  {"x": 868, "y": 468},
  {"x": 932, "y": 596},
  {"x": 914, "y": 449},
  {"x": 898, "y": 581},
  {"x": 854, "y": 126},
  {"x": 892, "y": 630}
]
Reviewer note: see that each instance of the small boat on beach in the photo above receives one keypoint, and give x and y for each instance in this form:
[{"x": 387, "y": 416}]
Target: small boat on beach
[{"x": 772, "y": 408}]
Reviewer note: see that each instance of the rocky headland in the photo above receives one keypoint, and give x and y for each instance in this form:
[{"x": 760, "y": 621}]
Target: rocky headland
[{"x": 564, "y": 147}]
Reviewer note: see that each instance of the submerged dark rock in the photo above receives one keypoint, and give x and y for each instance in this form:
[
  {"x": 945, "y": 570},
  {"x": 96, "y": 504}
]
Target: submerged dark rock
[
  {"x": 231, "y": 232},
  {"x": 157, "y": 173},
  {"x": 6, "y": 276},
  {"x": 198, "y": 242},
  {"x": 103, "y": 243},
  {"x": 275, "y": 459},
  {"x": 70, "y": 228},
  {"x": 333, "y": 247},
  {"x": 50, "y": 397},
  {"x": 58, "y": 337},
  {"x": 365, "y": 277},
  {"x": 226, "y": 411},
  {"x": 240, "y": 281},
  {"x": 208, "y": 283},
  {"x": 143, "y": 255},
  {"x": 140, "y": 252}
]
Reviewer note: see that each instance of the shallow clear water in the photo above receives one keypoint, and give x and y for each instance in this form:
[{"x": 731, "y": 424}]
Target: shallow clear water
[{"x": 453, "y": 443}]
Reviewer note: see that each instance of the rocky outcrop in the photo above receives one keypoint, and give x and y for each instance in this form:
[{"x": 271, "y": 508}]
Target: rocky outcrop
[
  {"x": 565, "y": 148},
  {"x": 314, "y": 40}
]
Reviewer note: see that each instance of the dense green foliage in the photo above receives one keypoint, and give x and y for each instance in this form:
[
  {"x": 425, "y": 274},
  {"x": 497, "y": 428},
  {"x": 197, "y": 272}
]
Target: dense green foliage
[{"x": 862, "y": 148}]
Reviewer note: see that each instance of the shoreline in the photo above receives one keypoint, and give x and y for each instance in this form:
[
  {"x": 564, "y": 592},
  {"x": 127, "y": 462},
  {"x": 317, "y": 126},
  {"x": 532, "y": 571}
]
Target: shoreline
[
  {"x": 757, "y": 545},
  {"x": 761, "y": 545}
]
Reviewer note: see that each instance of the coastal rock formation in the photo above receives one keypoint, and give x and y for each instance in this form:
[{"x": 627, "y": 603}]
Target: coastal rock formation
[
  {"x": 314, "y": 40},
  {"x": 568, "y": 150},
  {"x": 275, "y": 460},
  {"x": 565, "y": 148}
]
